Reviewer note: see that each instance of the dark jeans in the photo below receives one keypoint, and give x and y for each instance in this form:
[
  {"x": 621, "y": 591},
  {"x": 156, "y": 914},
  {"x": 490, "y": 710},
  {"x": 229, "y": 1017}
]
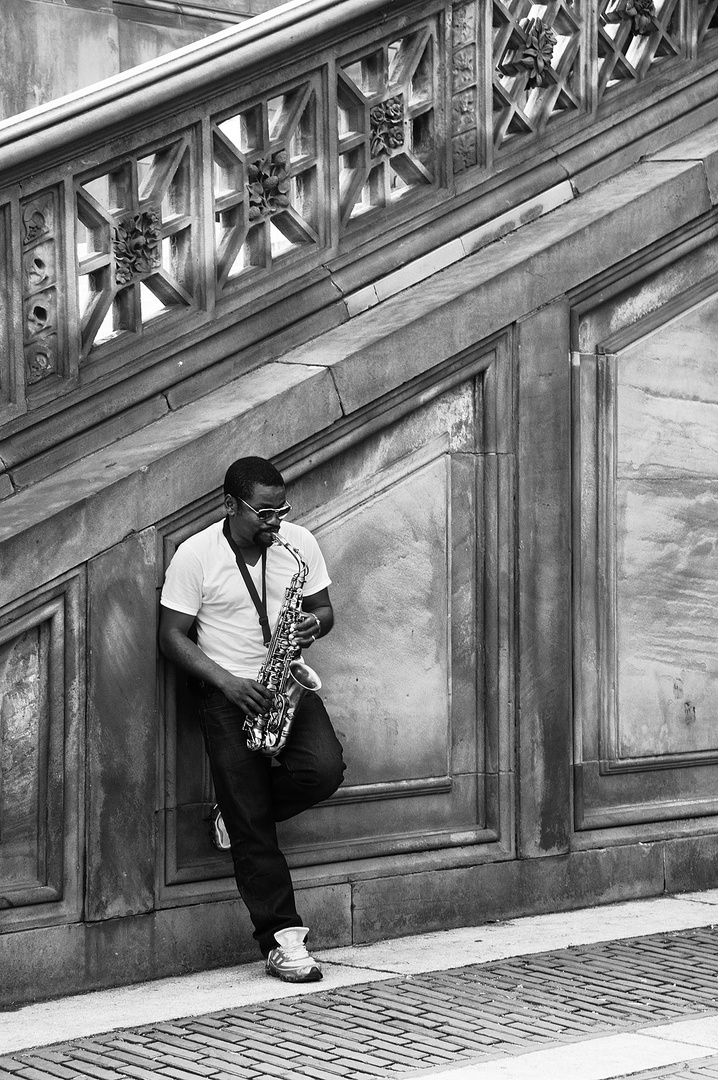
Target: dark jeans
[{"x": 253, "y": 794}]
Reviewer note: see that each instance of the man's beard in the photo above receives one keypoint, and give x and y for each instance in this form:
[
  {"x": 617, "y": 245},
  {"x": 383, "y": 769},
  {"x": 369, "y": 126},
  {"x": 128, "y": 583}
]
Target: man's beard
[{"x": 264, "y": 537}]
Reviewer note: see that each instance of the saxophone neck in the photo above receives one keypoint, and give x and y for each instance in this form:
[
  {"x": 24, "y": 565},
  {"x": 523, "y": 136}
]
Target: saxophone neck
[{"x": 303, "y": 567}]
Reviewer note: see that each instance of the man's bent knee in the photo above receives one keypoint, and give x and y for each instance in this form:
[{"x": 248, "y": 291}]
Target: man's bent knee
[{"x": 322, "y": 778}]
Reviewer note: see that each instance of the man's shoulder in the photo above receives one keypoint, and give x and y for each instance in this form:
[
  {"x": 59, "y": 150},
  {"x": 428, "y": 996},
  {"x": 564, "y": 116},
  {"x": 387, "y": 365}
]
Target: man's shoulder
[
  {"x": 296, "y": 534},
  {"x": 202, "y": 541}
]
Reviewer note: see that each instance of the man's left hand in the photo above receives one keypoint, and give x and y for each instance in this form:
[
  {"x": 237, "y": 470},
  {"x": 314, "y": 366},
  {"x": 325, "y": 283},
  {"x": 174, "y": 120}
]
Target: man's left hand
[{"x": 306, "y": 631}]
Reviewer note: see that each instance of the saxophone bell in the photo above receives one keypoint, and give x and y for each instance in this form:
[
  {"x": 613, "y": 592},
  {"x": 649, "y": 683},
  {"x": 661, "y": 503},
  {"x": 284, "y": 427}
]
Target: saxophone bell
[
  {"x": 305, "y": 678},
  {"x": 301, "y": 678}
]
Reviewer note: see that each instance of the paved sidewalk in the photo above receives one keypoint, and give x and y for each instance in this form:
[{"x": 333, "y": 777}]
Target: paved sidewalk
[{"x": 625, "y": 990}]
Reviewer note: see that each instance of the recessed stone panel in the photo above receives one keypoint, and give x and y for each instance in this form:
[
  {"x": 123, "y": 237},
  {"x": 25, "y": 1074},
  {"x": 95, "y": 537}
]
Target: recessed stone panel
[
  {"x": 666, "y": 545},
  {"x": 389, "y": 690},
  {"x": 40, "y": 703},
  {"x": 667, "y": 616},
  {"x": 25, "y": 719},
  {"x": 647, "y": 624}
]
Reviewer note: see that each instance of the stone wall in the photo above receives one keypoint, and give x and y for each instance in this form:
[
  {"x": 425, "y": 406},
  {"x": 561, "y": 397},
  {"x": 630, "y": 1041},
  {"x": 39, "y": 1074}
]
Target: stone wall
[
  {"x": 493, "y": 400},
  {"x": 509, "y": 466}
]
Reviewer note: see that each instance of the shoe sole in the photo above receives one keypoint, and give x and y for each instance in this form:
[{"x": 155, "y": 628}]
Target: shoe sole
[{"x": 315, "y": 975}]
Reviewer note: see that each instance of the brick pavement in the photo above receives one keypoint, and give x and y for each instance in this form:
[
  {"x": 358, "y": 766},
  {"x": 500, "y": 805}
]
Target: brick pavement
[{"x": 411, "y": 1023}]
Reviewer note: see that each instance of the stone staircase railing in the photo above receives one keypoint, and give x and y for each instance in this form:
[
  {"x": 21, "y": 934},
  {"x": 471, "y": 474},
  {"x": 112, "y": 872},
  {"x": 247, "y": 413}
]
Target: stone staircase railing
[{"x": 266, "y": 173}]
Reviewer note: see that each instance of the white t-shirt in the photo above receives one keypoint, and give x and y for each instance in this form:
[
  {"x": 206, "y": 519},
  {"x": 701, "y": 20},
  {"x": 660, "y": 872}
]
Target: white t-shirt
[{"x": 204, "y": 580}]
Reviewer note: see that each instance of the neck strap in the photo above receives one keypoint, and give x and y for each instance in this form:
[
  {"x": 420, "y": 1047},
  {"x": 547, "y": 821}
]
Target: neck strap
[{"x": 260, "y": 603}]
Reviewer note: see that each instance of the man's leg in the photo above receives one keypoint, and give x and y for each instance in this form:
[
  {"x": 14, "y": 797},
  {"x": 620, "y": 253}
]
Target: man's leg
[
  {"x": 243, "y": 787},
  {"x": 311, "y": 765},
  {"x": 308, "y": 770}
]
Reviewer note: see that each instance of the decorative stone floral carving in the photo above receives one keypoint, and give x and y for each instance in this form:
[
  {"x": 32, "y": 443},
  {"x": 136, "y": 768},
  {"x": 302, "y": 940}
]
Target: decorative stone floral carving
[
  {"x": 463, "y": 68},
  {"x": 35, "y": 222},
  {"x": 464, "y": 151},
  {"x": 39, "y": 314},
  {"x": 387, "y": 126},
  {"x": 38, "y": 265},
  {"x": 463, "y": 24},
  {"x": 537, "y": 53},
  {"x": 463, "y": 110},
  {"x": 268, "y": 186},
  {"x": 642, "y": 12},
  {"x": 36, "y": 271},
  {"x": 137, "y": 245},
  {"x": 42, "y": 297},
  {"x": 41, "y": 360}
]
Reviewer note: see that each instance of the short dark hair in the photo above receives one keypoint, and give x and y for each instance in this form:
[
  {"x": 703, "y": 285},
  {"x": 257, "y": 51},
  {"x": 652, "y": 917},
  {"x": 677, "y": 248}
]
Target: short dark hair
[{"x": 244, "y": 473}]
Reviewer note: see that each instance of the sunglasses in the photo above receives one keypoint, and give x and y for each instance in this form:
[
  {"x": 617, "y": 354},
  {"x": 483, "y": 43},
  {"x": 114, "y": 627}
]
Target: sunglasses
[{"x": 268, "y": 512}]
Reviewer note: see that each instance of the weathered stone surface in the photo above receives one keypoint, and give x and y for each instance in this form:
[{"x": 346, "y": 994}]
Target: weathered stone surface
[
  {"x": 327, "y": 911},
  {"x": 667, "y": 627},
  {"x": 242, "y": 352},
  {"x": 91, "y": 505},
  {"x": 544, "y": 572},
  {"x": 387, "y": 906},
  {"x": 628, "y": 141},
  {"x": 643, "y": 298},
  {"x": 123, "y": 739},
  {"x": 692, "y": 859},
  {"x": 139, "y": 42},
  {"x": 410, "y": 333},
  {"x": 25, "y": 717},
  {"x": 50, "y": 49},
  {"x": 75, "y": 449},
  {"x": 700, "y": 146},
  {"x": 47, "y": 51},
  {"x": 668, "y": 399},
  {"x": 42, "y": 665},
  {"x": 667, "y": 553},
  {"x": 192, "y": 367},
  {"x": 395, "y": 555}
]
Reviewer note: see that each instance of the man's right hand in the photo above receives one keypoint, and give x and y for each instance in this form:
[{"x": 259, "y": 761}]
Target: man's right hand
[{"x": 248, "y": 695}]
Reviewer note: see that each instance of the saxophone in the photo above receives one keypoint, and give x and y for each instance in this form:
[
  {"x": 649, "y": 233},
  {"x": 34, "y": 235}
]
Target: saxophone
[{"x": 283, "y": 673}]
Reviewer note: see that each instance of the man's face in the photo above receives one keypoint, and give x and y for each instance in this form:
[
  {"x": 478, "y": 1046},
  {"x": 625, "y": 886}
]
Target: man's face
[{"x": 247, "y": 527}]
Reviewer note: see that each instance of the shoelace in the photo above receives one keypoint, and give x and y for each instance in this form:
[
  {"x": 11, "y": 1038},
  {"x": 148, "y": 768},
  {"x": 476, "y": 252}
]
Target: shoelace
[{"x": 296, "y": 952}]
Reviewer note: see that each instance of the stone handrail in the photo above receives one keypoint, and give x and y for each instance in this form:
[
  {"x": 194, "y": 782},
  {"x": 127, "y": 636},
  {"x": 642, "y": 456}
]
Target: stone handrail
[
  {"x": 154, "y": 211},
  {"x": 92, "y": 111}
]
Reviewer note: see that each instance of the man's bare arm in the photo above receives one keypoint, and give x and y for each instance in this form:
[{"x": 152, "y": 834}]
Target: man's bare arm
[
  {"x": 247, "y": 694},
  {"x": 320, "y": 619}
]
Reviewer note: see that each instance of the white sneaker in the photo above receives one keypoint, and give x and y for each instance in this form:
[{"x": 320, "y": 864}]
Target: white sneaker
[
  {"x": 218, "y": 830},
  {"x": 290, "y": 960}
]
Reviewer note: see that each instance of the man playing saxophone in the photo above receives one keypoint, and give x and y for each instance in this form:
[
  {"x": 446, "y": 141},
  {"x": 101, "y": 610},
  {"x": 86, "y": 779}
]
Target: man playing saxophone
[{"x": 232, "y": 583}]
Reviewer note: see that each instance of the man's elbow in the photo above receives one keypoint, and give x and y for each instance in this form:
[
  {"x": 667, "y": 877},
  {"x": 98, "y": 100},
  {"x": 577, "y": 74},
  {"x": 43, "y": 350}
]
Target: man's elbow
[
  {"x": 163, "y": 642},
  {"x": 167, "y": 640}
]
